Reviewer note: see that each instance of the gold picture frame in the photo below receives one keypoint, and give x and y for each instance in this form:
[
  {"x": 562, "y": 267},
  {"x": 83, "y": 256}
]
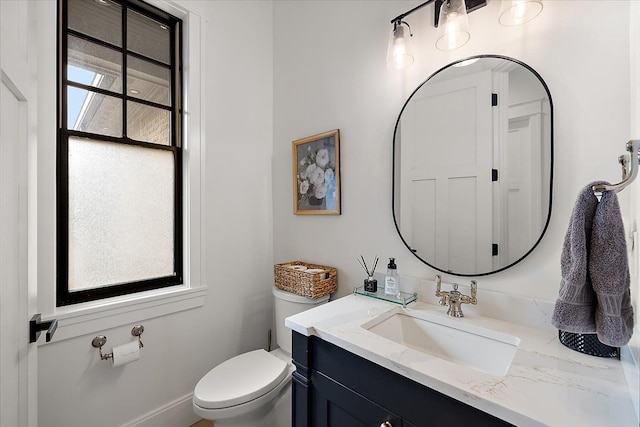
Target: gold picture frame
[{"x": 316, "y": 174}]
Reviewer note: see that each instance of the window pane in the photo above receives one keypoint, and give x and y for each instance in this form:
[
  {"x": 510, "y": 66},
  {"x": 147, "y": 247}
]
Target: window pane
[
  {"x": 148, "y": 37},
  {"x": 148, "y": 81},
  {"x": 101, "y": 19},
  {"x": 94, "y": 65},
  {"x": 120, "y": 213},
  {"x": 92, "y": 112},
  {"x": 149, "y": 124}
]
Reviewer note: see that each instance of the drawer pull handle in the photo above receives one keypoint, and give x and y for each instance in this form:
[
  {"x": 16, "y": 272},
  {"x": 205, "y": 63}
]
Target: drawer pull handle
[{"x": 386, "y": 424}]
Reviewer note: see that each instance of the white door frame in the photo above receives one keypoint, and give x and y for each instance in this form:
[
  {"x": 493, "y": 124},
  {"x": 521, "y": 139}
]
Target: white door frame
[{"x": 18, "y": 270}]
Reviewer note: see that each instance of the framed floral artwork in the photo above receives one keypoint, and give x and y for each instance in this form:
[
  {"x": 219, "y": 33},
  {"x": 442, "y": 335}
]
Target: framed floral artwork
[{"x": 316, "y": 174}]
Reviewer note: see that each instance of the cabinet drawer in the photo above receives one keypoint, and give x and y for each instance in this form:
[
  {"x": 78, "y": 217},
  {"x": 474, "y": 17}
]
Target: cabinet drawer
[{"x": 334, "y": 405}]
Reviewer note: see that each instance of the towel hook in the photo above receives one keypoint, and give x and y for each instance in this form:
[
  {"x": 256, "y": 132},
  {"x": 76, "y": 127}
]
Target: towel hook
[{"x": 629, "y": 169}]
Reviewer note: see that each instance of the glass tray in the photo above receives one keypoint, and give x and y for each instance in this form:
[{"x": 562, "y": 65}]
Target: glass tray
[{"x": 402, "y": 299}]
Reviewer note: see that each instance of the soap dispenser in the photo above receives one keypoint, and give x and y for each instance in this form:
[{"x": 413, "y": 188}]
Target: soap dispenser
[{"x": 391, "y": 279}]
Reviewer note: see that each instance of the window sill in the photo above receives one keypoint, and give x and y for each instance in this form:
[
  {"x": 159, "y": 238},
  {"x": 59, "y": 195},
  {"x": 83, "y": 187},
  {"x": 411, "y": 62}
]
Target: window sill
[{"x": 92, "y": 317}]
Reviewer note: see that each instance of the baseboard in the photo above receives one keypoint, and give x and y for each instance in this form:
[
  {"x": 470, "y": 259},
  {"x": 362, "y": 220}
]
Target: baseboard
[{"x": 178, "y": 413}]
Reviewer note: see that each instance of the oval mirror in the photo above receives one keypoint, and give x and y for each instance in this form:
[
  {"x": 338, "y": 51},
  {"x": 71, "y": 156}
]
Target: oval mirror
[{"x": 473, "y": 166}]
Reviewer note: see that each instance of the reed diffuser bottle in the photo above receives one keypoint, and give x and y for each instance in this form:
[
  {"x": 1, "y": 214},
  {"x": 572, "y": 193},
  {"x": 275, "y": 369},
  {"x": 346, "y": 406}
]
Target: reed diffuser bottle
[{"x": 370, "y": 284}]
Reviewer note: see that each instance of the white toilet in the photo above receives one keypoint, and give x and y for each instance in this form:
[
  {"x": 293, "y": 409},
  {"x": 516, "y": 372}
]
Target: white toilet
[{"x": 254, "y": 388}]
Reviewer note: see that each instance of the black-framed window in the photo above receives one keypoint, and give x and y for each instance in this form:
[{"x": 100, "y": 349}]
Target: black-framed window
[{"x": 119, "y": 155}]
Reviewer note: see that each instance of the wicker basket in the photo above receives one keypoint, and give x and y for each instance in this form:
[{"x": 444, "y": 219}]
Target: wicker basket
[
  {"x": 301, "y": 282},
  {"x": 587, "y": 344}
]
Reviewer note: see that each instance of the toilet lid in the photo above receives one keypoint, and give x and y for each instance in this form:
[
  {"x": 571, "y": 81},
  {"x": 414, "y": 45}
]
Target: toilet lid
[{"x": 239, "y": 380}]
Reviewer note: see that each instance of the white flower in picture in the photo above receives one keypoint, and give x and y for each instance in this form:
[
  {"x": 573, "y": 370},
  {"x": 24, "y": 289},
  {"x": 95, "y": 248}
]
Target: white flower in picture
[
  {"x": 328, "y": 175},
  {"x": 304, "y": 187},
  {"x": 317, "y": 177},
  {"x": 320, "y": 191},
  {"x": 308, "y": 171},
  {"x": 322, "y": 157}
]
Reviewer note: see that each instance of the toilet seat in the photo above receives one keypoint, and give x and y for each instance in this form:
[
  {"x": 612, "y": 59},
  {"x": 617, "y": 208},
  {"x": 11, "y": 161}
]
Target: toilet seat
[{"x": 239, "y": 380}]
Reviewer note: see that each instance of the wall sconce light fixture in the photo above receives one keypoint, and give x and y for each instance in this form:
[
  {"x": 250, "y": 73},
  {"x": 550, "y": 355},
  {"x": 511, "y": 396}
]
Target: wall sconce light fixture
[
  {"x": 450, "y": 18},
  {"x": 453, "y": 28},
  {"x": 399, "y": 52}
]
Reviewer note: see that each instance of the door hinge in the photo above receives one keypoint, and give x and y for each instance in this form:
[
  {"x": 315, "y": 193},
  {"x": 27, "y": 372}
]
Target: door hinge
[
  {"x": 494, "y": 249},
  {"x": 494, "y": 99},
  {"x": 494, "y": 175}
]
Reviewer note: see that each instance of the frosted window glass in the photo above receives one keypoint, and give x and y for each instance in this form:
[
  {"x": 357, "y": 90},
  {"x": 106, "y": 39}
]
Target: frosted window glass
[{"x": 121, "y": 213}]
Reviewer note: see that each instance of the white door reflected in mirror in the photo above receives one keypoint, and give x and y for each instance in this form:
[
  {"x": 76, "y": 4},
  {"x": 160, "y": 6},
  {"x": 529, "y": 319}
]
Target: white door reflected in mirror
[{"x": 472, "y": 169}]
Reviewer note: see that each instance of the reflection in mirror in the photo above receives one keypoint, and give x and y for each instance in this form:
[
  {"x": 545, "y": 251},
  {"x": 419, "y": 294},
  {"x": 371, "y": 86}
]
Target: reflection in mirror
[{"x": 473, "y": 163}]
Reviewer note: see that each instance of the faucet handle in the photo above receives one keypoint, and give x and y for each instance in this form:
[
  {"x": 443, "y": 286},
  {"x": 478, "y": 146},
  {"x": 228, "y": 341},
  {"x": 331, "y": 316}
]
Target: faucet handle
[
  {"x": 471, "y": 299},
  {"x": 443, "y": 295}
]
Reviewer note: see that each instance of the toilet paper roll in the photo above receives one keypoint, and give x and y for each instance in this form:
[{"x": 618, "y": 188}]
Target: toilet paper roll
[
  {"x": 318, "y": 270},
  {"x": 126, "y": 353}
]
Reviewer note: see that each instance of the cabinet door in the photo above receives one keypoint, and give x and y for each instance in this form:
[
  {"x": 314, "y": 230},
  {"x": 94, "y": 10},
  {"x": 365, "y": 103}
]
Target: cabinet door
[{"x": 334, "y": 405}]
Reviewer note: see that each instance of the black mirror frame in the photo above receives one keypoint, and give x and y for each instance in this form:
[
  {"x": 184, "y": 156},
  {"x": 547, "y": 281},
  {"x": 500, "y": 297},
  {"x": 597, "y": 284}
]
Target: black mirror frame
[{"x": 551, "y": 164}]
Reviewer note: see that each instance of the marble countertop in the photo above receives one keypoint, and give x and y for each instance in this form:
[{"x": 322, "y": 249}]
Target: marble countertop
[{"x": 547, "y": 384}]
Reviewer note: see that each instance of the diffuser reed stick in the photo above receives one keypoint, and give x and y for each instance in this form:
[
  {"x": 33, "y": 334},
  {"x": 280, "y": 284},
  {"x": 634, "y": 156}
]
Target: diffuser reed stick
[{"x": 363, "y": 264}]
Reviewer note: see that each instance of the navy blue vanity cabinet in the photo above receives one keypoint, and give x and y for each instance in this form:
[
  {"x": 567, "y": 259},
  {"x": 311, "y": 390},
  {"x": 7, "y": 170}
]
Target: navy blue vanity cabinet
[{"x": 335, "y": 388}]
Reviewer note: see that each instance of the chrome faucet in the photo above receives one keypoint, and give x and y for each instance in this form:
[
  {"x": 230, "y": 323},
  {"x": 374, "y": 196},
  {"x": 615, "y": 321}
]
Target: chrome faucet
[{"x": 454, "y": 299}]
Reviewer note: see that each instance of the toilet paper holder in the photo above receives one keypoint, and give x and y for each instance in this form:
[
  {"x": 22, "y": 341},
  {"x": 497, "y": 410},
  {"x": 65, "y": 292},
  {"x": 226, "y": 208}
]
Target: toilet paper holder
[{"x": 101, "y": 340}]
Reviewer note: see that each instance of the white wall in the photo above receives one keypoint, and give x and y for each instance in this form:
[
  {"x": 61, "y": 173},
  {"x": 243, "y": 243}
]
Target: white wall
[
  {"x": 76, "y": 389},
  {"x": 316, "y": 66},
  {"x": 330, "y": 73}
]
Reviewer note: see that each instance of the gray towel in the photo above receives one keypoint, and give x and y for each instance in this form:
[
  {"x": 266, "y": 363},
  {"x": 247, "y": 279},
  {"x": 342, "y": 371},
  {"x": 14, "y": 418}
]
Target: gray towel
[
  {"x": 609, "y": 272},
  {"x": 575, "y": 307}
]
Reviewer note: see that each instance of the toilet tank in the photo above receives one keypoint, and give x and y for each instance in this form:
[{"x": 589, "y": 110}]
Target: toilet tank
[{"x": 288, "y": 304}]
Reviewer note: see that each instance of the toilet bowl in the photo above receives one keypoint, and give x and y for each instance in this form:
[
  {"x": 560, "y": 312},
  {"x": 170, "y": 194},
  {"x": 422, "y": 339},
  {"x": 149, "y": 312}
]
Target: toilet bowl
[
  {"x": 246, "y": 390},
  {"x": 254, "y": 388}
]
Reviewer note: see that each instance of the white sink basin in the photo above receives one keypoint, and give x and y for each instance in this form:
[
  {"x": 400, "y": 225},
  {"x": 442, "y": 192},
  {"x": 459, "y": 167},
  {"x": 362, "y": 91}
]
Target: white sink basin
[{"x": 455, "y": 340}]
